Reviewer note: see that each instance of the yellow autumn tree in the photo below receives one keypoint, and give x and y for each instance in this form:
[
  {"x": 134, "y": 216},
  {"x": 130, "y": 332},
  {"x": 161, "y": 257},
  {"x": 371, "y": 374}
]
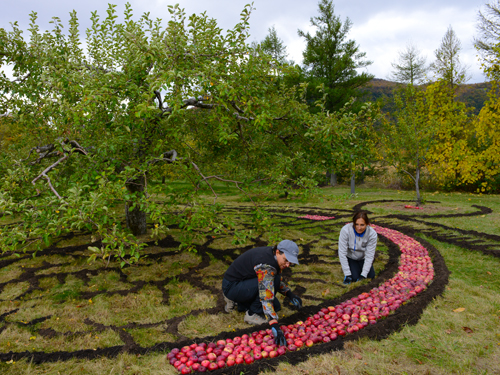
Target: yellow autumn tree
[
  {"x": 451, "y": 154},
  {"x": 483, "y": 169}
]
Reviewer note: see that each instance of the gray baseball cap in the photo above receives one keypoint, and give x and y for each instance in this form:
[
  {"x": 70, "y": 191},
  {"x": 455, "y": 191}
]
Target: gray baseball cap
[{"x": 290, "y": 249}]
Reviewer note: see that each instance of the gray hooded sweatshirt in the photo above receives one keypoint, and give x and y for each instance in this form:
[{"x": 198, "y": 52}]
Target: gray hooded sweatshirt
[{"x": 357, "y": 248}]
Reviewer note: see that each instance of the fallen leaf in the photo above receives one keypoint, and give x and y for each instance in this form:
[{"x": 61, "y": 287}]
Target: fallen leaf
[
  {"x": 488, "y": 272},
  {"x": 467, "y": 329},
  {"x": 325, "y": 292},
  {"x": 448, "y": 331},
  {"x": 460, "y": 309},
  {"x": 358, "y": 356}
]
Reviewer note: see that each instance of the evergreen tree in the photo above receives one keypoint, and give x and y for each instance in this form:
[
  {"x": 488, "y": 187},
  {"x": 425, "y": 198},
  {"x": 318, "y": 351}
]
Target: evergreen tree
[
  {"x": 411, "y": 67},
  {"x": 447, "y": 65},
  {"x": 274, "y": 46},
  {"x": 331, "y": 59},
  {"x": 489, "y": 29}
]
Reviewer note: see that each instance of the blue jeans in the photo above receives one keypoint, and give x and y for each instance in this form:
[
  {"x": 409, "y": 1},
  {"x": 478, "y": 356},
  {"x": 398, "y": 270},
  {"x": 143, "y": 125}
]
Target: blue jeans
[
  {"x": 246, "y": 294},
  {"x": 356, "y": 267}
]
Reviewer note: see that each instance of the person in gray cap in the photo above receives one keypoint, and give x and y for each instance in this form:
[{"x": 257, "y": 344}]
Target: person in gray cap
[{"x": 252, "y": 281}]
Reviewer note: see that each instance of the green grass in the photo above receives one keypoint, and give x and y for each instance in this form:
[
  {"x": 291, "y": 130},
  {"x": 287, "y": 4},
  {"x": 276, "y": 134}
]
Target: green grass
[{"x": 438, "y": 344}]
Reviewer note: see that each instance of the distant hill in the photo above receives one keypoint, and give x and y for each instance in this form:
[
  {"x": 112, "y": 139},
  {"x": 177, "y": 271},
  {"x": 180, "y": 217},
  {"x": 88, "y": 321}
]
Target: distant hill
[{"x": 473, "y": 95}]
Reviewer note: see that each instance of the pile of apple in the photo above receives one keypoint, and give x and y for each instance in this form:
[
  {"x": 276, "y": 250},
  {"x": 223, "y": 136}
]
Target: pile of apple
[
  {"x": 415, "y": 273},
  {"x": 317, "y": 217}
]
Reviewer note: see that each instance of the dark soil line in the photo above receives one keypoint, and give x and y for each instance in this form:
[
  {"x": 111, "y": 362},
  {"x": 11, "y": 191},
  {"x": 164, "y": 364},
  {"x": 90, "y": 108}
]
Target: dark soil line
[
  {"x": 482, "y": 211},
  {"x": 468, "y": 244},
  {"x": 359, "y": 206}
]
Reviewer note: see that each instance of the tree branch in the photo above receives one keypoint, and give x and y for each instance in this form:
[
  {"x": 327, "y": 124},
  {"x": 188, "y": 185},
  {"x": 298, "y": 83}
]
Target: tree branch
[{"x": 44, "y": 174}]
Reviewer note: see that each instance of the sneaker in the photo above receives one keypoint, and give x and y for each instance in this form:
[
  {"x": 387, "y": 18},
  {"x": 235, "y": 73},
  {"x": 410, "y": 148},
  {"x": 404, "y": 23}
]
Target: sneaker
[
  {"x": 255, "y": 319},
  {"x": 230, "y": 305}
]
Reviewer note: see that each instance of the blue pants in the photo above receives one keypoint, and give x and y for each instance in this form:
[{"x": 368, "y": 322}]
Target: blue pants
[
  {"x": 246, "y": 294},
  {"x": 356, "y": 267}
]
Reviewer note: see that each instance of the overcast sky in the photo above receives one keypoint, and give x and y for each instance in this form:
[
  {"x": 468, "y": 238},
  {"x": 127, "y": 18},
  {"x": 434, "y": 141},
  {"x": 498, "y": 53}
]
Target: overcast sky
[{"x": 381, "y": 28}]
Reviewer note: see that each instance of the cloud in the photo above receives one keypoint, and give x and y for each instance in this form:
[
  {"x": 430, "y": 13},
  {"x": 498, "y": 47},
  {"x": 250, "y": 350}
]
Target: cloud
[{"x": 381, "y": 28}]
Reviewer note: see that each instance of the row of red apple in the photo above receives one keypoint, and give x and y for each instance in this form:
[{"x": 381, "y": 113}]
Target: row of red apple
[{"x": 415, "y": 273}]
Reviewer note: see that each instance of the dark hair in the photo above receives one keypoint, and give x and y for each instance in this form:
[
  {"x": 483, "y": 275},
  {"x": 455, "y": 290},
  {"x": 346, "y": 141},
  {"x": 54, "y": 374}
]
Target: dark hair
[{"x": 361, "y": 215}]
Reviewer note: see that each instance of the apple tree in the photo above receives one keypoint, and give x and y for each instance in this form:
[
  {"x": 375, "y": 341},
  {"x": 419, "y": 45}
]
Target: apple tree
[{"x": 135, "y": 101}]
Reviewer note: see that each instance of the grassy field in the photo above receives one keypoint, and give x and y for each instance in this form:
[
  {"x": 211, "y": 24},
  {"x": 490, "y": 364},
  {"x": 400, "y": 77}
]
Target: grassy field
[{"x": 58, "y": 302}]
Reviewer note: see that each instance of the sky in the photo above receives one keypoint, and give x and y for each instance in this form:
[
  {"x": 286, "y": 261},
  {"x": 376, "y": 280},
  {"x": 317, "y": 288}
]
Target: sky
[{"x": 381, "y": 28}]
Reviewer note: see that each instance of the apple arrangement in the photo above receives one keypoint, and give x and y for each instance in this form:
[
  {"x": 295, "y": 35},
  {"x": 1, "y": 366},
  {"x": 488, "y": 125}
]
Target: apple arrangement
[
  {"x": 317, "y": 217},
  {"x": 415, "y": 272}
]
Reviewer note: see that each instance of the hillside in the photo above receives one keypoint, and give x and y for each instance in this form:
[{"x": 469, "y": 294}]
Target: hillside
[{"x": 473, "y": 95}]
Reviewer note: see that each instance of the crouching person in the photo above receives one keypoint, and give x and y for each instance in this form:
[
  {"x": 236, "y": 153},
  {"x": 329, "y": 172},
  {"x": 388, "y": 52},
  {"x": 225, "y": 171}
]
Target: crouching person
[{"x": 252, "y": 281}]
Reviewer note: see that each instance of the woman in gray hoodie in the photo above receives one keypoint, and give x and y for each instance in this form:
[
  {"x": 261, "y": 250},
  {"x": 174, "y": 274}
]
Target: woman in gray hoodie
[{"x": 357, "y": 244}]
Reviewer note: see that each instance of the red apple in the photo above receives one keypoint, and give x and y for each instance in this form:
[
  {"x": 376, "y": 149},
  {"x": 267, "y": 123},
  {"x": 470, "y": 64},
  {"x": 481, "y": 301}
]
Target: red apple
[
  {"x": 249, "y": 359},
  {"x": 205, "y": 363},
  {"x": 309, "y": 342},
  {"x": 273, "y": 354},
  {"x": 298, "y": 343},
  {"x": 239, "y": 360},
  {"x": 221, "y": 363},
  {"x": 213, "y": 366}
]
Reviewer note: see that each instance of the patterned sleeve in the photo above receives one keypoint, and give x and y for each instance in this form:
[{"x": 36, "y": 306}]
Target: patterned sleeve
[
  {"x": 265, "y": 277},
  {"x": 284, "y": 289}
]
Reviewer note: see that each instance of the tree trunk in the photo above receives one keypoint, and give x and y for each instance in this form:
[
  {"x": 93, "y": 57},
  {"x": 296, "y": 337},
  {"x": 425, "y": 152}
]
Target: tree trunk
[
  {"x": 332, "y": 177},
  {"x": 136, "y": 218},
  {"x": 353, "y": 187},
  {"x": 417, "y": 182}
]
